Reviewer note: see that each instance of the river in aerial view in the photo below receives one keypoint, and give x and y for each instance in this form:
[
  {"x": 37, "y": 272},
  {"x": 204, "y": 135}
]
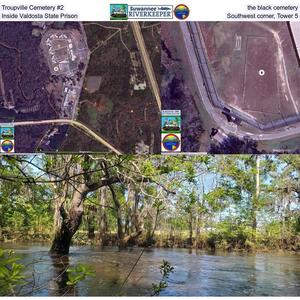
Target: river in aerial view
[{"x": 195, "y": 273}]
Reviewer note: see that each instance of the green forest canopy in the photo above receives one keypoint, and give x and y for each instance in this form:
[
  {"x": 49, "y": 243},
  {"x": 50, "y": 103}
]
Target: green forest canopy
[{"x": 228, "y": 202}]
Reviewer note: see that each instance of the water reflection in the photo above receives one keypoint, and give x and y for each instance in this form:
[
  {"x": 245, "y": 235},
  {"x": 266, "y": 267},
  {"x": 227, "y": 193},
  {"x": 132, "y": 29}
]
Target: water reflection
[
  {"x": 196, "y": 273},
  {"x": 58, "y": 283}
]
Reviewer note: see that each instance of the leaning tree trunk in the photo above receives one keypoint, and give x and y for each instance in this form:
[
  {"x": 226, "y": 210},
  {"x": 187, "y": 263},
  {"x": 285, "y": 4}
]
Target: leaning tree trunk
[
  {"x": 70, "y": 222},
  {"x": 150, "y": 240}
]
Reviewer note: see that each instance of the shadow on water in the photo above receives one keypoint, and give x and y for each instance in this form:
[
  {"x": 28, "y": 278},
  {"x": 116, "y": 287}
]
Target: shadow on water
[
  {"x": 196, "y": 273},
  {"x": 58, "y": 284}
]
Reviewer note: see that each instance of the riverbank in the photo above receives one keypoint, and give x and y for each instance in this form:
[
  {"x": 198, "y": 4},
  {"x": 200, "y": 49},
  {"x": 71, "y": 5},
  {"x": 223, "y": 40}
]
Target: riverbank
[
  {"x": 196, "y": 273},
  {"x": 167, "y": 242}
]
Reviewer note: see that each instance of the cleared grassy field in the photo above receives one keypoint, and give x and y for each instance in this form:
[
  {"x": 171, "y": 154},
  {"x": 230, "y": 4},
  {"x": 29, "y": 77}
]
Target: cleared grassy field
[{"x": 254, "y": 67}]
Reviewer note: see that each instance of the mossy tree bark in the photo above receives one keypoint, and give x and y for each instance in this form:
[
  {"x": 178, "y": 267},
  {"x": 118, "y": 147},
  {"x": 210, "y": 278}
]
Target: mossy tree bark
[{"x": 71, "y": 220}]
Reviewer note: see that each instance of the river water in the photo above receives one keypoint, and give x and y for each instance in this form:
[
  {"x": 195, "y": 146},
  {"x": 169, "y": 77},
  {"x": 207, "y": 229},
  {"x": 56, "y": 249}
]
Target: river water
[{"x": 195, "y": 274}]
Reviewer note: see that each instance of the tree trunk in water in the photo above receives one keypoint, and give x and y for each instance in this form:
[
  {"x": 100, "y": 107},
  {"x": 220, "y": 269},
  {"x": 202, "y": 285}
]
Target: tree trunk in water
[
  {"x": 91, "y": 228},
  {"x": 1, "y": 226},
  {"x": 91, "y": 211},
  {"x": 123, "y": 239},
  {"x": 172, "y": 232},
  {"x": 199, "y": 216},
  {"x": 131, "y": 238},
  {"x": 136, "y": 229},
  {"x": 102, "y": 216},
  {"x": 197, "y": 239},
  {"x": 256, "y": 197},
  {"x": 70, "y": 222},
  {"x": 58, "y": 283},
  {"x": 120, "y": 229},
  {"x": 190, "y": 241},
  {"x": 127, "y": 222},
  {"x": 117, "y": 204},
  {"x": 151, "y": 232}
]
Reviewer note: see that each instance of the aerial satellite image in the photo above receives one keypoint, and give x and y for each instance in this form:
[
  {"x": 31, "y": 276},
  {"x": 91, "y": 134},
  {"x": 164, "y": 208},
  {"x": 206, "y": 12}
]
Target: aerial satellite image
[
  {"x": 236, "y": 83},
  {"x": 90, "y": 87}
]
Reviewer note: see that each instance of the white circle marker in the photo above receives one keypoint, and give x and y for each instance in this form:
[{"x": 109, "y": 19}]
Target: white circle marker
[{"x": 261, "y": 72}]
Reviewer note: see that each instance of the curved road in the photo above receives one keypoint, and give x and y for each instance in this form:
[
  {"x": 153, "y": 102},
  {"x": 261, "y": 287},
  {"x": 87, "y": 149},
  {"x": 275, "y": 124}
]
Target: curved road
[
  {"x": 153, "y": 84},
  {"x": 228, "y": 128},
  {"x": 75, "y": 124}
]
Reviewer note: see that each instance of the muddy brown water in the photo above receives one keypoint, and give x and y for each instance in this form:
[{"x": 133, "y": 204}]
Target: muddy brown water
[{"x": 196, "y": 273}]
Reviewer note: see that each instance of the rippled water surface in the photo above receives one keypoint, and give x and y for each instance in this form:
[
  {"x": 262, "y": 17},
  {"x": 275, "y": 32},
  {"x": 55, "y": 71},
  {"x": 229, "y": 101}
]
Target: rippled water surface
[{"x": 196, "y": 274}]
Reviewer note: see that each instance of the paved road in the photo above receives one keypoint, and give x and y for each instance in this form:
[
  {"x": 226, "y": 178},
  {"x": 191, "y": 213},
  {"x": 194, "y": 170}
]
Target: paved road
[
  {"x": 73, "y": 123},
  {"x": 83, "y": 72},
  {"x": 204, "y": 85},
  {"x": 146, "y": 61}
]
